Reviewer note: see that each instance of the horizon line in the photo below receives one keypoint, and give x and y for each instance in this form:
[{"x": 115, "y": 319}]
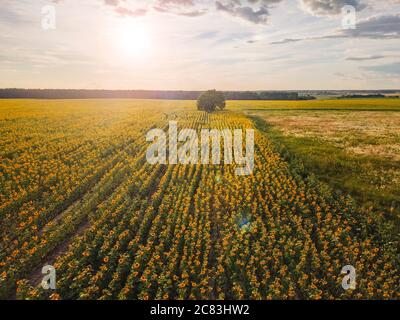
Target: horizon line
[{"x": 198, "y": 90}]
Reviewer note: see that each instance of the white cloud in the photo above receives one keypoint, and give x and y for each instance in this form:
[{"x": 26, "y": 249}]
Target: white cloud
[{"x": 330, "y": 7}]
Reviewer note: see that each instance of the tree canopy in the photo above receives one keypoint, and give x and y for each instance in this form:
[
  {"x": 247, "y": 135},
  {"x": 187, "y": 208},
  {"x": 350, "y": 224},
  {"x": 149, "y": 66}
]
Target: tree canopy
[{"x": 211, "y": 100}]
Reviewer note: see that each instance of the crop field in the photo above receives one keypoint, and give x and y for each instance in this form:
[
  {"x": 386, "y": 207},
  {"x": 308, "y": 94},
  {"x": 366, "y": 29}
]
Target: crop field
[
  {"x": 389, "y": 104},
  {"x": 356, "y": 151},
  {"x": 77, "y": 193}
]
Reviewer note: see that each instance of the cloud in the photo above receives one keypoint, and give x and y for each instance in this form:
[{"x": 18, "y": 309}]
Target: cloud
[
  {"x": 254, "y": 11},
  {"x": 391, "y": 69},
  {"x": 207, "y": 35},
  {"x": 113, "y": 3},
  {"x": 187, "y": 8},
  {"x": 376, "y": 57},
  {"x": 330, "y": 7},
  {"x": 191, "y": 13},
  {"x": 377, "y": 27},
  {"x": 123, "y": 10},
  {"x": 176, "y": 2},
  {"x": 259, "y": 15},
  {"x": 287, "y": 40},
  {"x": 194, "y": 13},
  {"x": 132, "y": 13}
]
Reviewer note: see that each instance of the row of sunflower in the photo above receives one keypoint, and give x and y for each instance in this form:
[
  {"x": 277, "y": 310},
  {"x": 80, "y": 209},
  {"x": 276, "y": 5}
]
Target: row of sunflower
[
  {"x": 201, "y": 232},
  {"x": 65, "y": 170}
]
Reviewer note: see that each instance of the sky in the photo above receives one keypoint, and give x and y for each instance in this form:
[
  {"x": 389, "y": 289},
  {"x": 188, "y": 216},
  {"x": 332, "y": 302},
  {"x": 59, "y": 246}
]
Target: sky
[{"x": 200, "y": 44}]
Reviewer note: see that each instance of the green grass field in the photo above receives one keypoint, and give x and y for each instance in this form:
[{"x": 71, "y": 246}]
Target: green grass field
[
  {"x": 352, "y": 145},
  {"x": 392, "y": 104}
]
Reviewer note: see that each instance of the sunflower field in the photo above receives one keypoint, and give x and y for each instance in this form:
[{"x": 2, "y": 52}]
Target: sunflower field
[{"x": 77, "y": 193}]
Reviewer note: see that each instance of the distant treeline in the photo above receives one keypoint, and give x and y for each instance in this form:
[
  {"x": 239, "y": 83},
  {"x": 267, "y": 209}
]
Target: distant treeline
[
  {"x": 356, "y": 96},
  {"x": 266, "y": 95},
  {"x": 144, "y": 94}
]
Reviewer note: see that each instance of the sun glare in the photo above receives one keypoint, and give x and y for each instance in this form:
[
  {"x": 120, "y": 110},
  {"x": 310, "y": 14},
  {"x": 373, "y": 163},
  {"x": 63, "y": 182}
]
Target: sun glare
[{"x": 133, "y": 39}]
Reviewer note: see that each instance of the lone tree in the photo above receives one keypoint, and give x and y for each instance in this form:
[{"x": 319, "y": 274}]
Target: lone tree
[{"x": 211, "y": 100}]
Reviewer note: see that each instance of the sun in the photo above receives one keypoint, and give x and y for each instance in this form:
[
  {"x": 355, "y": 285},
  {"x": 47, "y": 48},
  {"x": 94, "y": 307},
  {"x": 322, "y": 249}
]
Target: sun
[{"x": 133, "y": 39}]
